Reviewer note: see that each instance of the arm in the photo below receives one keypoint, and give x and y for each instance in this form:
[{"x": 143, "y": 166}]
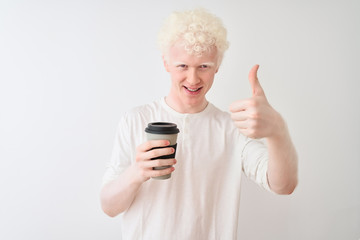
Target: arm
[
  {"x": 282, "y": 165},
  {"x": 255, "y": 118},
  {"x": 117, "y": 195}
]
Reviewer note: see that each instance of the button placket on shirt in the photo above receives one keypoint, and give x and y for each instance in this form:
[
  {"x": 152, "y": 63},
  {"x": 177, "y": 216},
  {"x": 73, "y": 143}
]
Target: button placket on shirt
[{"x": 186, "y": 138}]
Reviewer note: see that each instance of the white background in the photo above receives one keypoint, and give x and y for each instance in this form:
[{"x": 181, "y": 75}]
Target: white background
[{"x": 69, "y": 69}]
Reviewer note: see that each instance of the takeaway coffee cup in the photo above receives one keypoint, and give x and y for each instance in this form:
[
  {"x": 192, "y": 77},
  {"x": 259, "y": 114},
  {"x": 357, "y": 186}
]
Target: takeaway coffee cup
[{"x": 163, "y": 131}]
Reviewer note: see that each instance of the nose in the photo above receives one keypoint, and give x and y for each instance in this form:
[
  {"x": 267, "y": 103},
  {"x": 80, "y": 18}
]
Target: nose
[{"x": 193, "y": 78}]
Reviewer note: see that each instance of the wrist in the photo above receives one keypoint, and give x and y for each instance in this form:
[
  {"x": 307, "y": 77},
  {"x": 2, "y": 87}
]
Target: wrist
[
  {"x": 134, "y": 177},
  {"x": 280, "y": 131}
]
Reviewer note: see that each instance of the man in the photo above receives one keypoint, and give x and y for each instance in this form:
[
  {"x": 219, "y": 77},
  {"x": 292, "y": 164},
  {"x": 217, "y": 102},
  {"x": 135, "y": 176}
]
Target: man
[{"x": 201, "y": 199}]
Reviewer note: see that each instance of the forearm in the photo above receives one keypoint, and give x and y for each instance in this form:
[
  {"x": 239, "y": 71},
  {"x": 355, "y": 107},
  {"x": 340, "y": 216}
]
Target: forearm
[
  {"x": 117, "y": 196},
  {"x": 283, "y": 163}
]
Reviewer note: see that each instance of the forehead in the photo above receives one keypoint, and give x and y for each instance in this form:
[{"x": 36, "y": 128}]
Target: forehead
[{"x": 178, "y": 53}]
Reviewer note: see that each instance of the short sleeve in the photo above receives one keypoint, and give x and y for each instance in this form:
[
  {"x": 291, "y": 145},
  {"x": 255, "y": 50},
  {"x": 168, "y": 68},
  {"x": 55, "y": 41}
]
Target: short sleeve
[
  {"x": 121, "y": 154},
  {"x": 255, "y": 159}
]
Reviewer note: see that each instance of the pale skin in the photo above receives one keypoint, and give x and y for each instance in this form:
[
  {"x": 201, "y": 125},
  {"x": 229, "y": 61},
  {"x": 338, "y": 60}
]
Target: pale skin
[
  {"x": 118, "y": 195},
  {"x": 255, "y": 118},
  {"x": 192, "y": 78},
  {"x": 187, "y": 73}
]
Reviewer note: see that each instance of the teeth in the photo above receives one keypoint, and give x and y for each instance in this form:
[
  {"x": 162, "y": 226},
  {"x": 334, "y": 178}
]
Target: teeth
[{"x": 193, "y": 90}]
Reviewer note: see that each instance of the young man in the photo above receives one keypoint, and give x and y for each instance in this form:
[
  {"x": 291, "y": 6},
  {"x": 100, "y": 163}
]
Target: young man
[{"x": 201, "y": 199}]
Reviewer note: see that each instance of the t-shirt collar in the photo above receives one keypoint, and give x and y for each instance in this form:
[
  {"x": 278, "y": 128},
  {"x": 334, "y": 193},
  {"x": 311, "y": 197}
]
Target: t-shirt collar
[{"x": 174, "y": 112}]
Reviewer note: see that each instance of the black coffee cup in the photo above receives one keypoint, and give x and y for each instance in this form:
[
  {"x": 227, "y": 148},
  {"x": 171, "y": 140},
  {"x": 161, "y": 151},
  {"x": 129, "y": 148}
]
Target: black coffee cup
[{"x": 163, "y": 131}]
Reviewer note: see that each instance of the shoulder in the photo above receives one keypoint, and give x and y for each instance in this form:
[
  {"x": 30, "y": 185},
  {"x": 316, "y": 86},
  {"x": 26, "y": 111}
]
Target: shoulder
[
  {"x": 142, "y": 112},
  {"x": 133, "y": 121},
  {"x": 219, "y": 114}
]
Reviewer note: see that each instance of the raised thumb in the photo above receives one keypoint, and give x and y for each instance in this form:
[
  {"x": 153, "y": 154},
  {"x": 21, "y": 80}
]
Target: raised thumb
[{"x": 254, "y": 82}]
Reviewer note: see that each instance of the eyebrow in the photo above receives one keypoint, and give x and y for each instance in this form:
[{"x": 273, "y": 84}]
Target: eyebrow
[
  {"x": 178, "y": 63},
  {"x": 211, "y": 64}
]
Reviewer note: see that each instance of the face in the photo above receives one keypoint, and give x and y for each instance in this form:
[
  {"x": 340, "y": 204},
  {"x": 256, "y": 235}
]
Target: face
[{"x": 191, "y": 76}]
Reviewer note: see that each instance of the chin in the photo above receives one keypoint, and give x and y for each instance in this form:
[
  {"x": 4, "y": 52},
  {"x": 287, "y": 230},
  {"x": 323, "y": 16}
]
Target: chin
[{"x": 194, "y": 103}]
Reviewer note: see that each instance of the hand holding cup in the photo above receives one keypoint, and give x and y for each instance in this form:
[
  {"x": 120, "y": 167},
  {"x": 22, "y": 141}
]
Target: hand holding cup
[
  {"x": 163, "y": 131},
  {"x": 153, "y": 149}
]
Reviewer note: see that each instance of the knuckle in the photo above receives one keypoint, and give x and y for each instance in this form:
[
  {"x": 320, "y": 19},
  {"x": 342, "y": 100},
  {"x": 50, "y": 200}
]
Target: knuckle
[
  {"x": 140, "y": 166},
  {"x": 157, "y": 173},
  {"x": 255, "y": 115},
  {"x": 147, "y": 145},
  {"x": 157, "y": 163},
  {"x": 142, "y": 146},
  {"x": 168, "y": 163},
  {"x": 162, "y": 172},
  {"x": 137, "y": 158},
  {"x": 154, "y": 153},
  {"x": 254, "y": 103},
  {"x": 251, "y": 103},
  {"x": 165, "y": 151},
  {"x": 254, "y": 125},
  {"x": 161, "y": 151}
]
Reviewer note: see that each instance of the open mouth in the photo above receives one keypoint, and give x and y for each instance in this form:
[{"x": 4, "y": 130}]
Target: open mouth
[{"x": 193, "y": 90}]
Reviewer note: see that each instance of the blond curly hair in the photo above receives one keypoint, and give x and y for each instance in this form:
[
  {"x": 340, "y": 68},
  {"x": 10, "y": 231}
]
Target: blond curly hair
[{"x": 197, "y": 30}]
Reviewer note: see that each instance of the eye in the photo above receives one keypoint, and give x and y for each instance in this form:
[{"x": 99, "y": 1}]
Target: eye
[
  {"x": 204, "y": 66},
  {"x": 182, "y": 66}
]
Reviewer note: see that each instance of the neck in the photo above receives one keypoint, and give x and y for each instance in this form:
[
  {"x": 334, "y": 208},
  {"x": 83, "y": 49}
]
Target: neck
[{"x": 185, "y": 108}]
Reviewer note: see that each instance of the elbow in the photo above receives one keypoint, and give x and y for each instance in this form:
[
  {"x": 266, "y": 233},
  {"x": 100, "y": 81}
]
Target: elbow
[
  {"x": 286, "y": 189},
  {"x": 109, "y": 212},
  {"x": 107, "y": 206}
]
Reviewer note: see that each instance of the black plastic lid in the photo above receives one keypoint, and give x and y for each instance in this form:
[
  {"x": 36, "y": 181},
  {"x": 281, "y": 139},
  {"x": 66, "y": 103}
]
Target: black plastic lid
[{"x": 162, "y": 128}]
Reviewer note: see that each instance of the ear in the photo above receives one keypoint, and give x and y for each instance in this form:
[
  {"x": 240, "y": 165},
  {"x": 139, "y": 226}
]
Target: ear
[{"x": 166, "y": 64}]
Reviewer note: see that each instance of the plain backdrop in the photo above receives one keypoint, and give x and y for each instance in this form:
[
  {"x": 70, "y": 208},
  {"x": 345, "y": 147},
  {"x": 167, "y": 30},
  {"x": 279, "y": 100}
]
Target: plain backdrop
[{"x": 69, "y": 69}]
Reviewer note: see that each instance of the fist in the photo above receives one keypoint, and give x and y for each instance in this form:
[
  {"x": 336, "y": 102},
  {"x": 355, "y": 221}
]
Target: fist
[{"x": 254, "y": 117}]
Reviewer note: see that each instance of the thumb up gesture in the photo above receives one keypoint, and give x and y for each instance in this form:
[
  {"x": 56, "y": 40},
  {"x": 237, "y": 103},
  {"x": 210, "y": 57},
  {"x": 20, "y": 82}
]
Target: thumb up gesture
[{"x": 254, "y": 117}]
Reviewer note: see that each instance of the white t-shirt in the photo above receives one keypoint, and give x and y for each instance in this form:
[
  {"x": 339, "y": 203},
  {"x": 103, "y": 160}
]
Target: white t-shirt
[{"x": 201, "y": 199}]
